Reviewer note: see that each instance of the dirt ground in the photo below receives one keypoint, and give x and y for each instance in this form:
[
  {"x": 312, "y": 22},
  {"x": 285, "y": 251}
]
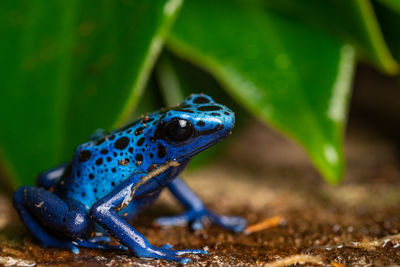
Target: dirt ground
[{"x": 263, "y": 176}]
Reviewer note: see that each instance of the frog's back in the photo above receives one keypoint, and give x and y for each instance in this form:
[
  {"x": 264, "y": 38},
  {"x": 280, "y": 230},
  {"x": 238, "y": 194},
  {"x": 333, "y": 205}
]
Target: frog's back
[{"x": 100, "y": 165}]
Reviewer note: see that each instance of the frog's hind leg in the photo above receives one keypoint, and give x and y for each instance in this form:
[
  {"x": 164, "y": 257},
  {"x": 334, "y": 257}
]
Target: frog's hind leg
[
  {"x": 196, "y": 212},
  {"x": 48, "y": 178},
  {"x": 44, "y": 213}
]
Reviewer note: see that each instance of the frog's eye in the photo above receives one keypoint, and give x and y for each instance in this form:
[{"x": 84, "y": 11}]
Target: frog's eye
[{"x": 178, "y": 130}]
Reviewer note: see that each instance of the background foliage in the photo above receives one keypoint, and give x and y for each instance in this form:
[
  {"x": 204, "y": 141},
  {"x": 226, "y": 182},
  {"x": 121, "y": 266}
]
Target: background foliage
[{"x": 70, "y": 67}]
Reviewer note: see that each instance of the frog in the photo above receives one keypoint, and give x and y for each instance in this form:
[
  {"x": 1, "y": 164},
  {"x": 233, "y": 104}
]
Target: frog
[{"x": 114, "y": 176}]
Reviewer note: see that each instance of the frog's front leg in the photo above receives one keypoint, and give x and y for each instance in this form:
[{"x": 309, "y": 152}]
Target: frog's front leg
[
  {"x": 105, "y": 213},
  {"x": 197, "y": 213}
]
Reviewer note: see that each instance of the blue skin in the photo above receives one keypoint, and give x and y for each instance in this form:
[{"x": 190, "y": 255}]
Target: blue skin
[{"x": 113, "y": 177}]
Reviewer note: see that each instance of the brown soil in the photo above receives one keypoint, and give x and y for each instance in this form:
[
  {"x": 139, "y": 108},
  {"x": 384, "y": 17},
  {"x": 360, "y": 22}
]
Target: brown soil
[{"x": 263, "y": 175}]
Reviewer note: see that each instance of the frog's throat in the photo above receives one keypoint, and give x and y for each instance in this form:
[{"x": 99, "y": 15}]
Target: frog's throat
[{"x": 162, "y": 168}]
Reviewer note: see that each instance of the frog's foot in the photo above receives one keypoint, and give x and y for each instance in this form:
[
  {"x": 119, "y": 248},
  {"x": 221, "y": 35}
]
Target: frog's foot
[
  {"x": 73, "y": 245},
  {"x": 51, "y": 242},
  {"x": 96, "y": 243},
  {"x": 197, "y": 218},
  {"x": 166, "y": 253}
]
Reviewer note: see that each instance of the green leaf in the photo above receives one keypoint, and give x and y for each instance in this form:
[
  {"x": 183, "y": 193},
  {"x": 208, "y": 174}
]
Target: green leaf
[
  {"x": 150, "y": 101},
  {"x": 353, "y": 21},
  {"x": 288, "y": 74},
  {"x": 170, "y": 85},
  {"x": 389, "y": 19},
  {"x": 68, "y": 68},
  {"x": 392, "y": 4}
]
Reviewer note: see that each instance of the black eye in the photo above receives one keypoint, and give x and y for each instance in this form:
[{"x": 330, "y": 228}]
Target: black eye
[{"x": 178, "y": 130}]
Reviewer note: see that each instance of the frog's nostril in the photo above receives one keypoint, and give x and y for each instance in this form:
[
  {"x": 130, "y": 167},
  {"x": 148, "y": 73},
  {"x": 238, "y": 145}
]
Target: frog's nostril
[{"x": 229, "y": 120}]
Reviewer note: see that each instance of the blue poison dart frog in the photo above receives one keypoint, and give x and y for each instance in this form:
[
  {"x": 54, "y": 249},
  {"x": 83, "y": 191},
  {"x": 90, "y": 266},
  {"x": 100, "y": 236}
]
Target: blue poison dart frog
[{"x": 114, "y": 176}]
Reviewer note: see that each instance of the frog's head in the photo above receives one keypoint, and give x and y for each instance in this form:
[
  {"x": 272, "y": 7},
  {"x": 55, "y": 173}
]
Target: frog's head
[
  {"x": 191, "y": 127},
  {"x": 177, "y": 133}
]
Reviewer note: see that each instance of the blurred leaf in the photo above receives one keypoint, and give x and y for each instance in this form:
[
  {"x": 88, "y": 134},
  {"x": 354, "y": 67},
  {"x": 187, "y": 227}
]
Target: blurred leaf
[
  {"x": 287, "y": 73},
  {"x": 389, "y": 19},
  {"x": 150, "y": 101},
  {"x": 69, "y": 67},
  {"x": 392, "y": 4},
  {"x": 352, "y": 20},
  {"x": 170, "y": 85}
]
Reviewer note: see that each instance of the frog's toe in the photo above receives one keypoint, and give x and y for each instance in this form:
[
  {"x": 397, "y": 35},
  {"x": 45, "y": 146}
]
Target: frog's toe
[
  {"x": 168, "y": 254},
  {"x": 180, "y": 220},
  {"x": 74, "y": 249},
  {"x": 167, "y": 246},
  {"x": 184, "y": 260},
  {"x": 63, "y": 244},
  {"x": 119, "y": 247},
  {"x": 88, "y": 244},
  {"x": 180, "y": 252},
  {"x": 236, "y": 224},
  {"x": 100, "y": 239},
  {"x": 197, "y": 224},
  {"x": 69, "y": 246},
  {"x": 196, "y": 220}
]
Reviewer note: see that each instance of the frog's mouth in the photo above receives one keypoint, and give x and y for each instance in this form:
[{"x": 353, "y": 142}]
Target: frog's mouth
[
  {"x": 207, "y": 132},
  {"x": 201, "y": 148}
]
